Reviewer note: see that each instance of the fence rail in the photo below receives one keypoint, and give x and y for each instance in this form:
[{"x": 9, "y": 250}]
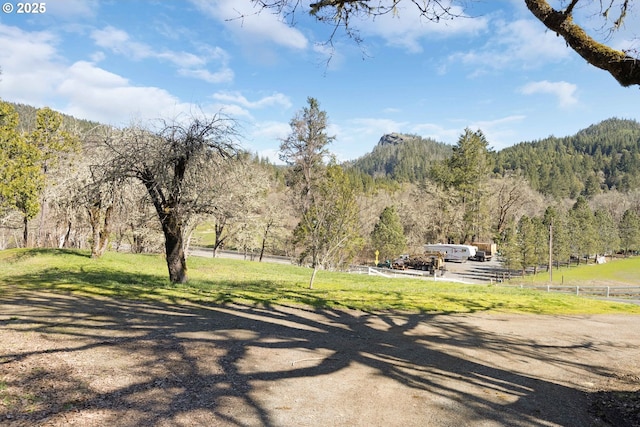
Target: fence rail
[{"x": 631, "y": 292}]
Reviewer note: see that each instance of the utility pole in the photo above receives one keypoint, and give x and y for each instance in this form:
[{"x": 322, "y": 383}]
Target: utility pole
[{"x": 551, "y": 251}]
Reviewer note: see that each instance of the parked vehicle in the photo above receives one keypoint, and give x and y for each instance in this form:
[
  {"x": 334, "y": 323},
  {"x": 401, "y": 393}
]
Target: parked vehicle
[
  {"x": 480, "y": 256},
  {"x": 485, "y": 251},
  {"x": 428, "y": 261},
  {"x": 456, "y": 253}
]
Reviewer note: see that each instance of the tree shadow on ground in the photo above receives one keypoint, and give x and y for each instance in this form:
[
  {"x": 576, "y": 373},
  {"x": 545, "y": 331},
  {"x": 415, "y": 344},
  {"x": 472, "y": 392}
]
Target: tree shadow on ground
[{"x": 129, "y": 363}]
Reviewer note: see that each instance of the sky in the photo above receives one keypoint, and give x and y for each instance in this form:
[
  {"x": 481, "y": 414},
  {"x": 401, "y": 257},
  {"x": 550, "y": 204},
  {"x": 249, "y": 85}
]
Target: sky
[{"x": 495, "y": 69}]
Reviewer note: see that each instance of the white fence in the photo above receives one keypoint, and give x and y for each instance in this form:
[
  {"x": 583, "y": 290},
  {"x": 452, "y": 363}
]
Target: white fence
[{"x": 631, "y": 292}]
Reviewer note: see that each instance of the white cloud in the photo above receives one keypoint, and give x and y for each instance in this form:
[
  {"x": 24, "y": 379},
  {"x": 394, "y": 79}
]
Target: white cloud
[
  {"x": 34, "y": 74},
  {"x": 251, "y": 26},
  {"x": 189, "y": 64},
  {"x": 407, "y": 28},
  {"x": 30, "y": 65},
  {"x": 514, "y": 44},
  {"x": 97, "y": 94},
  {"x": 118, "y": 41},
  {"x": 499, "y": 132},
  {"x": 375, "y": 126},
  {"x": 264, "y": 137},
  {"x": 563, "y": 91},
  {"x": 267, "y": 101},
  {"x": 98, "y": 56},
  {"x": 270, "y": 130},
  {"x": 437, "y": 132},
  {"x": 222, "y": 76}
]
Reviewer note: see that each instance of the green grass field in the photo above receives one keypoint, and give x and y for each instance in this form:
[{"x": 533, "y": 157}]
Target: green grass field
[
  {"x": 619, "y": 272},
  {"x": 222, "y": 281}
]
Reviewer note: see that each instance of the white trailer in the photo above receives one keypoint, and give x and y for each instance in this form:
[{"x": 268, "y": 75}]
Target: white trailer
[{"x": 458, "y": 253}]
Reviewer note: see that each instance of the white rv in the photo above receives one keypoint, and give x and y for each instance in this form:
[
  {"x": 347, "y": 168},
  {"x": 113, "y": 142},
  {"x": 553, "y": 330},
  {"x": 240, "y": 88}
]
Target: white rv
[{"x": 458, "y": 253}]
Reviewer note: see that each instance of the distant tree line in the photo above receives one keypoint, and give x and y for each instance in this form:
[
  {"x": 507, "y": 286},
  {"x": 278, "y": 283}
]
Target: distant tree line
[{"x": 577, "y": 234}]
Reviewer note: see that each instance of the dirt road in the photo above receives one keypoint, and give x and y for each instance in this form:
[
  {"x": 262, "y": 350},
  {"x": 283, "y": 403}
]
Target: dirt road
[{"x": 69, "y": 360}]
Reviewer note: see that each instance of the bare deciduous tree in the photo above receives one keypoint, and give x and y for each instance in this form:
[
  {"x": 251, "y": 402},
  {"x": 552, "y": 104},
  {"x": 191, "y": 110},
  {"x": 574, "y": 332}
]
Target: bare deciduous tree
[
  {"x": 237, "y": 188},
  {"x": 170, "y": 163}
]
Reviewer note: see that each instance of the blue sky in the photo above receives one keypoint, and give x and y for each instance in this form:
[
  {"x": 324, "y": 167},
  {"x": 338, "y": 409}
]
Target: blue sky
[{"x": 122, "y": 61}]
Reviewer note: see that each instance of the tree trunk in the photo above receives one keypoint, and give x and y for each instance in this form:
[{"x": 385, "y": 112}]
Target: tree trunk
[
  {"x": 43, "y": 205},
  {"x": 25, "y": 232},
  {"x": 64, "y": 240},
  {"x": 169, "y": 217},
  {"x": 100, "y": 229},
  {"x": 313, "y": 276},
  {"x": 264, "y": 239},
  {"x": 174, "y": 249},
  {"x": 219, "y": 229},
  {"x": 103, "y": 236}
]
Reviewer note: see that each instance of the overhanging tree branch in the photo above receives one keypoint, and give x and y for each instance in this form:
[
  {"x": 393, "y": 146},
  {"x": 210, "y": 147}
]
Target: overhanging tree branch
[{"x": 623, "y": 67}]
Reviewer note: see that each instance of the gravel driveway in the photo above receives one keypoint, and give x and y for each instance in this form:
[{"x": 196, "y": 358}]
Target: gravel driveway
[{"x": 70, "y": 360}]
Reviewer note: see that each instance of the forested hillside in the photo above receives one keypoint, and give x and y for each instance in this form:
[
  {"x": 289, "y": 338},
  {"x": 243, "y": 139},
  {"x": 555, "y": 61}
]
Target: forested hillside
[
  {"x": 402, "y": 157},
  {"x": 601, "y": 157},
  {"x": 28, "y": 114}
]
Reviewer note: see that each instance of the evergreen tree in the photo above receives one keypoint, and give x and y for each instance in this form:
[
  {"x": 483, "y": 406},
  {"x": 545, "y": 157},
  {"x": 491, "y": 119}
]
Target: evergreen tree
[
  {"x": 630, "y": 231},
  {"x": 388, "y": 234},
  {"x": 525, "y": 240},
  {"x": 21, "y": 179},
  {"x": 540, "y": 241},
  {"x": 601, "y": 157},
  {"x": 466, "y": 172},
  {"x": 511, "y": 254},
  {"x": 329, "y": 230},
  {"x": 557, "y": 221},
  {"x": 325, "y": 196},
  {"x": 608, "y": 237},
  {"x": 304, "y": 150},
  {"x": 582, "y": 229}
]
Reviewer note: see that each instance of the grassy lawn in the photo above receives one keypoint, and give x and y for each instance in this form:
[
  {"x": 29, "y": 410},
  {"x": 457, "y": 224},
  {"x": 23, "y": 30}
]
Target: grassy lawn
[
  {"x": 221, "y": 281},
  {"x": 619, "y": 272}
]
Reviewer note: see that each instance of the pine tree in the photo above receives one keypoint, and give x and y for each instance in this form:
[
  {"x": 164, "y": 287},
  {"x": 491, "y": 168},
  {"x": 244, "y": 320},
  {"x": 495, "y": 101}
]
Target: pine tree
[
  {"x": 557, "y": 221},
  {"x": 630, "y": 231},
  {"x": 540, "y": 241},
  {"x": 511, "y": 255},
  {"x": 467, "y": 172},
  {"x": 525, "y": 240},
  {"x": 328, "y": 229},
  {"x": 608, "y": 237},
  {"x": 305, "y": 150},
  {"x": 388, "y": 234},
  {"x": 582, "y": 229}
]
